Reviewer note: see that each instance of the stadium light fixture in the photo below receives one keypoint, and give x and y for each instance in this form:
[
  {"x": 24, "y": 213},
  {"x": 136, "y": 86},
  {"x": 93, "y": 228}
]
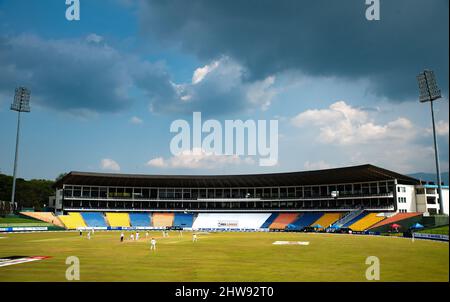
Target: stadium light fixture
[
  {"x": 429, "y": 92},
  {"x": 20, "y": 104}
]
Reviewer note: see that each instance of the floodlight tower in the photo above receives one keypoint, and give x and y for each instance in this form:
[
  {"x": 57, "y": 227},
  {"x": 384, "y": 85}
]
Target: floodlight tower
[
  {"x": 21, "y": 104},
  {"x": 429, "y": 92}
]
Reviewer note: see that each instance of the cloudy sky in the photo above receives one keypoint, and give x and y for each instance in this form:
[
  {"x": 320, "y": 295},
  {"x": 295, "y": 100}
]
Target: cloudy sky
[{"x": 106, "y": 89}]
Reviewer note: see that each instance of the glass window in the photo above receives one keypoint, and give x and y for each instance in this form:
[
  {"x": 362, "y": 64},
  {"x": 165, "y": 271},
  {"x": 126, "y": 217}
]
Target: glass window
[
  {"x": 274, "y": 193},
  {"x": 103, "y": 192},
  {"x": 86, "y": 191}
]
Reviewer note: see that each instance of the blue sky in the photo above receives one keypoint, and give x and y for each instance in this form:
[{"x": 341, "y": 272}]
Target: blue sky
[{"x": 105, "y": 89}]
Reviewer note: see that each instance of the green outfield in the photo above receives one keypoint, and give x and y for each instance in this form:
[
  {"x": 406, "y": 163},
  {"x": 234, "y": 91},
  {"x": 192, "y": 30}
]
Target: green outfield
[{"x": 223, "y": 257}]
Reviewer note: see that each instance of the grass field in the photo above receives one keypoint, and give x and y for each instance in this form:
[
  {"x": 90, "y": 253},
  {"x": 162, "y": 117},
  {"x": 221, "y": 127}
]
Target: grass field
[
  {"x": 21, "y": 222},
  {"x": 224, "y": 257},
  {"x": 443, "y": 230}
]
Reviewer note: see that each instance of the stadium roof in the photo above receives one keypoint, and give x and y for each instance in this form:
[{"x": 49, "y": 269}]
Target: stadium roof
[{"x": 363, "y": 173}]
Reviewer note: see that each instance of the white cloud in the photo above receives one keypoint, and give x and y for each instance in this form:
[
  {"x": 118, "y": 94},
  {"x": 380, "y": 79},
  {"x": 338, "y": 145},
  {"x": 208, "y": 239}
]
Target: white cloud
[
  {"x": 343, "y": 124},
  {"x": 200, "y": 73},
  {"x": 94, "y": 38},
  {"x": 261, "y": 93},
  {"x": 136, "y": 120},
  {"x": 319, "y": 165},
  {"x": 345, "y": 135},
  {"x": 442, "y": 128},
  {"x": 219, "y": 87},
  {"x": 157, "y": 162},
  {"x": 199, "y": 159},
  {"x": 109, "y": 164}
]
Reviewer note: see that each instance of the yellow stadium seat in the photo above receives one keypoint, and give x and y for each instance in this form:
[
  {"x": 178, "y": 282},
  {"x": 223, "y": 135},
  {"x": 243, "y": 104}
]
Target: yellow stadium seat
[
  {"x": 72, "y": 221},
  {"x": 328, "y": 219},
  {"x": 366, "y": 222},
  {"x": 118, "y": 219}
]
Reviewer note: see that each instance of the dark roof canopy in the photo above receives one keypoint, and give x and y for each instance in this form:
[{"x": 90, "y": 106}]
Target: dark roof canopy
[{"x": 363, "y": 173}]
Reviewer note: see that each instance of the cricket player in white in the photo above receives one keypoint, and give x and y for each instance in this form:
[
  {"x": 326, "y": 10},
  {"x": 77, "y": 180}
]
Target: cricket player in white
[
  {"x": 132, "y": 236},
  {"x": 153, "y": 244},
  {"x": 194, "y": 238},
  {"x": 89, "y": 235},
  {"x": 137, "y": 235}
]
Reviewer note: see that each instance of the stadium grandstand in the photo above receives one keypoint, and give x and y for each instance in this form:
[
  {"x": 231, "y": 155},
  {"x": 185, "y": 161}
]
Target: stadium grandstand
[{"x": 359, "y": 198}]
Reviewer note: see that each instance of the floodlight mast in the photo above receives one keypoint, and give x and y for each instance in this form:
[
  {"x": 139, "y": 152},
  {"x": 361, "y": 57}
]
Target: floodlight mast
[
  {"x": 430, "y": 92},
  {"x": 20, "y": 104}
]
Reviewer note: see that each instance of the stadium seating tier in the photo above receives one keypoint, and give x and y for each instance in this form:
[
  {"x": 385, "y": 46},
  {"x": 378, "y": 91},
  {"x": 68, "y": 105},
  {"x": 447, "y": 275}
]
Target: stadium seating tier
[
  {"x": 305, "y": 220},
  {"x": 48, "y": 217},
  {"x": 283, "y": 220},
  {"x": 140, "y": 219},
  {"x": 366, "y": 222},
  {"x": 184, "y": 220},
  {"x": 72, "y": 221},
  {"x": 94, "y": 219},
  {"x": 328, "y": 219},
  {"x": 118, "y": 219},
  {"x": 162, "y": 220}
]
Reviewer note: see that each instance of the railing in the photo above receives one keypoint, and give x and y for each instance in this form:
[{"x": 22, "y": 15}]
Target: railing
[
  {"x": 348, "y": 217},
  {"x": 312, "y": 209},
  {"x": 224, "y": 199}
]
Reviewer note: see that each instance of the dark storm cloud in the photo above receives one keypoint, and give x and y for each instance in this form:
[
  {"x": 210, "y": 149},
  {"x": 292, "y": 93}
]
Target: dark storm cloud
[
  {"x": 320, "y": 37},
  {"x": 78, "y": 76},
  {"x": 82, "y": 76}
]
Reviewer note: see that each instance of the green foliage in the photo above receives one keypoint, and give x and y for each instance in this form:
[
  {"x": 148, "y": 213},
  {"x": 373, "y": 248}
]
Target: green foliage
[{"x": 29, "y": 193}]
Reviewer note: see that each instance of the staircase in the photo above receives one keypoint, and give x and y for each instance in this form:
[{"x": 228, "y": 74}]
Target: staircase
[{"x": 348, "y": 217}]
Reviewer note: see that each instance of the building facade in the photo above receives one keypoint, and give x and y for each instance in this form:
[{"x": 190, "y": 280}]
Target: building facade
[{"x": 342, "y": 189}]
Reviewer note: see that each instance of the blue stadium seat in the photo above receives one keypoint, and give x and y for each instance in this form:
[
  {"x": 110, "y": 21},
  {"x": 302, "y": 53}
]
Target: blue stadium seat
[
  {"x": 183, "y": 220},
  {"x": 360, "y": 216},
  {"x": 305, "y": 220},
  {"x": 94, "y": 219},
  {"x": 140, "y": 219},
  {"x": 269, "y": 221}
]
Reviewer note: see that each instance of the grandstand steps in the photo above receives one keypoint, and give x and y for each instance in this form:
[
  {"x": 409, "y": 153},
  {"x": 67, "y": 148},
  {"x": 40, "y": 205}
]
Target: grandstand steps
[
  {"x": 327, "y": 219},
  {"x": 94, "y": 219},
  {"x": 184, "y": 220},
  {"x": 72, "y": 221},
  {"x": 140, "y": 219},
  {"x": 366, "y": 222},
  {"x": 356, "y": 219},
  {"x": 269, "y": 221},
  {"x": 118, "y": 219},
  {"x": 304, "y": 220},
  {"x": 48, "y": 217},
  {"x": 348, "y": 217},
  {"x": 162, "y": 219},
  {"x": 283, "y": 219}
]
